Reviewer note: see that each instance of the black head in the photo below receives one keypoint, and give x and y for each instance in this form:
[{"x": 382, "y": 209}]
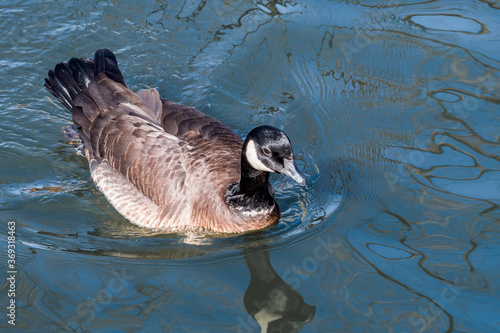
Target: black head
[{"x": 268, "y": 149}]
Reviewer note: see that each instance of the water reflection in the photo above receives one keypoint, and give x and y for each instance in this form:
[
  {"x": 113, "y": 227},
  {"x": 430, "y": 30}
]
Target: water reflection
[
  {"x": 268, "y": 299},
  {"x": 275, "y": 305},
  {"x": 394, "y": 108},
  {"x": 455, "y": 23}
]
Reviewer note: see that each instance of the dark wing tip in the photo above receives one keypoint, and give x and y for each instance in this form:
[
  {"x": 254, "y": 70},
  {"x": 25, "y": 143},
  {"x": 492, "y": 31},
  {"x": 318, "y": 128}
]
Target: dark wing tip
[{"x": 105, "y": 61}]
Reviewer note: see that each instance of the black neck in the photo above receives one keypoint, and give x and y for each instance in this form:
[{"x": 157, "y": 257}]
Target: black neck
[{"x": 252, "y": 191}]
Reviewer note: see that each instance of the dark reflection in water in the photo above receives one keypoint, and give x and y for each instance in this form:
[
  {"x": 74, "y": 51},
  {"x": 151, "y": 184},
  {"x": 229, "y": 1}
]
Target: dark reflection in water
[
  {"x": 392, "y": 107},
  {"x": 270, "y": 300}
]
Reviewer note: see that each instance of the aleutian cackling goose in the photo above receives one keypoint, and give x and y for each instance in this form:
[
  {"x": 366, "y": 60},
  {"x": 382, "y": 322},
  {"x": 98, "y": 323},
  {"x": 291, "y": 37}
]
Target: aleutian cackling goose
[{"x": 166, "y": 166}]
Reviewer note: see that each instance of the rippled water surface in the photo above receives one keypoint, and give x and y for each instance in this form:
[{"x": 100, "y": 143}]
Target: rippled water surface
[{"x": 393, "y": 111}]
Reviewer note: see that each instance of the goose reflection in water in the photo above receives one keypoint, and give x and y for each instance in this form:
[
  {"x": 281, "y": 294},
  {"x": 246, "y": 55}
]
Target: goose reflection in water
[{"x": 275, "y": 305}]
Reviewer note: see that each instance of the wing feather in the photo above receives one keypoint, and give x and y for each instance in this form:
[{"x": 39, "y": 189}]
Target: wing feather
[{"x": 121, "y": 130}]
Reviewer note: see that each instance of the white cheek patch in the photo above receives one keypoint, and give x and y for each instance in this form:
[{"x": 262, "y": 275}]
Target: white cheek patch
[
  {"x": 253, "y": 159},
  {"x": 264, "y": 317}
]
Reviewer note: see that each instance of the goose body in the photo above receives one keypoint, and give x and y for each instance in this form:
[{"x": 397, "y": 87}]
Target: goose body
[{"x": 165, "y": 166}]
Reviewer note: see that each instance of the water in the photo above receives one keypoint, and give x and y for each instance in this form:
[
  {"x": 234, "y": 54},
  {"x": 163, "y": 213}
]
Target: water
[{"x": 392, "y": 109}]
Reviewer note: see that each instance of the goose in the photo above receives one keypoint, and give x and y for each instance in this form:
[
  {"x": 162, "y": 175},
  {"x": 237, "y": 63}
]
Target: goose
[{"x": 165, "y": 166}]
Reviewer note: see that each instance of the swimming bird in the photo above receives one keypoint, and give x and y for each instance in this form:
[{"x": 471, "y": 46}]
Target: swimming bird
[{"x": 166, "y": 166}]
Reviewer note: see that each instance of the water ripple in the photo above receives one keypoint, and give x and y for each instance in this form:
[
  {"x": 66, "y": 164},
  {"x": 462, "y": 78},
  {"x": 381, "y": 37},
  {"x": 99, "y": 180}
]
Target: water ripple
[{"x": 392, "y": 111}]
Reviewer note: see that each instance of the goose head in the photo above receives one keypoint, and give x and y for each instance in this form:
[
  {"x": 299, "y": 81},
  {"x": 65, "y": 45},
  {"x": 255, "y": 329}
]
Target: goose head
[{"x": 268, "y": 149}]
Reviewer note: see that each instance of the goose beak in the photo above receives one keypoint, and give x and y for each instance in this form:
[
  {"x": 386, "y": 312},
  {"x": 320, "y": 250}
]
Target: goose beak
[{"x": 291, "y": 171}]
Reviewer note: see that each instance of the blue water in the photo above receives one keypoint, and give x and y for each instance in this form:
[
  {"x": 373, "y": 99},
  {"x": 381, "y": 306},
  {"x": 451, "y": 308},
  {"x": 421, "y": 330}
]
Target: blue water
[{"x": 393, "y": 111}]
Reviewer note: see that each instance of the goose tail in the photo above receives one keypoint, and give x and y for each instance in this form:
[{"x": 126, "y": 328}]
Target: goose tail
[{"x": 68, "y": 79}]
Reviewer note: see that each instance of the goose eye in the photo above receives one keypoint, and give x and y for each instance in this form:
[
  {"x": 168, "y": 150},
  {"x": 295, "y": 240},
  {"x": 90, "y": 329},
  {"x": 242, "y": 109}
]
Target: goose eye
[{"x": 266, "y": 151}]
